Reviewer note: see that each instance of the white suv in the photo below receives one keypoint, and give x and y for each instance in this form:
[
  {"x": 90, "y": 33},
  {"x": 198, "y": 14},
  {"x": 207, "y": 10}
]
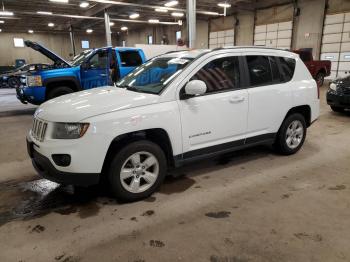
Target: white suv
[{"x": 176, "y": 108}]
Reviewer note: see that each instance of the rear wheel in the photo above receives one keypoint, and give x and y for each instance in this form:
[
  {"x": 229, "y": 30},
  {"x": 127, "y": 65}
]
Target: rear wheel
[
  {"x": 291, "y": 135},
  {"x": 14, "y": 82},
  {"x": 59, "y": 91},
  {"x": 320, "y": 78},
  {"x": 337, "y": 109},
  {"x": 137, "y": 170}
]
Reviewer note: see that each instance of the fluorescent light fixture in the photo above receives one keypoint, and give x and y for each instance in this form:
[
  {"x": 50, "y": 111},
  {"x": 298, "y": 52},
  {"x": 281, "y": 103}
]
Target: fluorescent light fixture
[
  {"x": 0, "y": 30},
  {"x": 171, "y": 3},
  {"x": 30, "y": 31},
  {"x": 84, "y": 4},
  {"x": 161, "y": 10},
  {"x": 6, "y": 13},
  {"x": 89, "y": 31},
  {"x": 44, "y": 13},
  {"x": 177, "y": 14},
  {"x": 2, "y": 22},
  {"x": 123, "y": 28},
  {"x": 209, "y": 13},
  {"x": 153, "y": 21},
  {"x": 134, "y": 16},
  {"x": 225, "y": 5},
  {"x": 111, "y": 23},
  {"x": 51, "y": 24},
  {"x": 60, "y": 1}
]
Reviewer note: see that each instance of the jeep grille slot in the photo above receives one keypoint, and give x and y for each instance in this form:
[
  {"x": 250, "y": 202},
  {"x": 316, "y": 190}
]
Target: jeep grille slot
[{"x": 39, "y": 129}]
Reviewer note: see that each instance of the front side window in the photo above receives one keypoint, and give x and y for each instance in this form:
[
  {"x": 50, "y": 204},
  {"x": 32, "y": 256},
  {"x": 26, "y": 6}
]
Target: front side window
[
  {"x": 259, "y": 70},
  {"x": 153, "y": 76},
  {"x": 220, "y": 74},
  {"x": 99, "y": 60},
  {"x": 130, "y": 58}
]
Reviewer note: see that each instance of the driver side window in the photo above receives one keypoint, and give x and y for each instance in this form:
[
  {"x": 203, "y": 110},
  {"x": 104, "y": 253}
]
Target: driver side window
[
  {"x": 99, "y": 60},
  {"x": 220, "y": 74}
]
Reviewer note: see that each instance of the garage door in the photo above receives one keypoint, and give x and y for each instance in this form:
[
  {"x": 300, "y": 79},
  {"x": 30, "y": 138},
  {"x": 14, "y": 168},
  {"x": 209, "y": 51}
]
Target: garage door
[
  {"x": 336, "y": 43},
  {"x": 222, "y": 38},
  {"x": 278, "y": 35}
]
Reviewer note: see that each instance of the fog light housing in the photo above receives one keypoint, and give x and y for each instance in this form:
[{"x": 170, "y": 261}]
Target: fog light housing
[{"x": 61, "y": 159}]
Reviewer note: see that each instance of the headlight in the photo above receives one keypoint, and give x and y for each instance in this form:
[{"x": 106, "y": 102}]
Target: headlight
[
  {"x": 69, "y": 130},
  {"x": 34, "y": 81}
]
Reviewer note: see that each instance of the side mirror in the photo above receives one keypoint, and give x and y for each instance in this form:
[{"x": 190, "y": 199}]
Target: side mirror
[{"x": 194, "y": 88}]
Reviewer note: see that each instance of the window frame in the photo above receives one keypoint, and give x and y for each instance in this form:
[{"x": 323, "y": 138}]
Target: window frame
[
  {"x": 242, "y": 78},
  {"x": 273, "y": 82}
]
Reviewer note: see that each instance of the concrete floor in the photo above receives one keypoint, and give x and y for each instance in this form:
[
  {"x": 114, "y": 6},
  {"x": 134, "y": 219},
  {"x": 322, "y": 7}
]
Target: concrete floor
[{"x": 252, "y": 206}]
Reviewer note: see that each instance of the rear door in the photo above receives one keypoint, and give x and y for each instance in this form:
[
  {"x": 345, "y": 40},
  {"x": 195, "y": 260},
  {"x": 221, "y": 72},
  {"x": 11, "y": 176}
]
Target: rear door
[
  {"x": 96, "y": 71},
  {"x": 128, "y": 61},
  {"x": 270, "y": 97}
]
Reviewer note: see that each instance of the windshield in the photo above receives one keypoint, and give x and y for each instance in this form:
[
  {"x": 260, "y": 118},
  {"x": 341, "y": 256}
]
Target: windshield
[
  {"x": 77, "y": 60},
  {"x": 155, "y": 75}
]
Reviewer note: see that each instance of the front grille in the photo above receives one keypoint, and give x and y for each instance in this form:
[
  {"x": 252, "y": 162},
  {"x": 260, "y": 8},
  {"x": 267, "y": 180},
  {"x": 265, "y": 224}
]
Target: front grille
[
  {"x": 39, "y": 129},
  {"x": 346, "y": 91}
]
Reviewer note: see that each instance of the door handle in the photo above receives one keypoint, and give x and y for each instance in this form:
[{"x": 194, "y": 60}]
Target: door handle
[{"x": 237, "y": 99}]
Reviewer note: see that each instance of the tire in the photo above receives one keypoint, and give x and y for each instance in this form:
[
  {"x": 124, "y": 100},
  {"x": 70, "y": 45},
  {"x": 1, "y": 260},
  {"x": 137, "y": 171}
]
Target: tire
[
  {"x": 320, "y": 78},
  {"x": 59, "y": 91},
  {"x": 337, "y": 109},
  {"x": 13, "y": 82},
  {"x": 138, "y": 181},
  {"x": 289, "y": 137}
]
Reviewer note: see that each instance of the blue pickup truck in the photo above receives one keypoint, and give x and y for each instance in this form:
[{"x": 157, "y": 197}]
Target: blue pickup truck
[{"x": 92, "y": 68}]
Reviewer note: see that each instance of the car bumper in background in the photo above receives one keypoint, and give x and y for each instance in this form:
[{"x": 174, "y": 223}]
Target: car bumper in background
[{"x": 338, "y": 100}]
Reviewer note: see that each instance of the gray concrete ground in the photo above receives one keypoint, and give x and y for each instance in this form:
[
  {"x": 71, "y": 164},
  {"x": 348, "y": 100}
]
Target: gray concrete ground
[
  {"x": 10, "y": 104},
  {"x": 252, "y": 206}
]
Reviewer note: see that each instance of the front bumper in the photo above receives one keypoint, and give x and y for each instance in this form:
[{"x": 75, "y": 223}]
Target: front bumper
[
  {"x": 46, "y": 169},
  {"x": 338, "y": 100},
  {"x": 33, "y": 95}
]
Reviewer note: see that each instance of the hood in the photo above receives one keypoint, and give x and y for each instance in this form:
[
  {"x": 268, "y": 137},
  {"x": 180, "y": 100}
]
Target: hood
[
  {"x": 46, "y": 52},
  {"x": 81, "y": 105}
]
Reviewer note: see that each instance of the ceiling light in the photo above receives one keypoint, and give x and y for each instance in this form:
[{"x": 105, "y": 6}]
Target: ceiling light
[
  {"x": 0, "y": 30},
  {"x": 89, "y": 31},
  {"x": 6, "y": 13},
  {"x": 51, "y": 24},
  {"x": 2, "y": 22},
  {"x": 171, "y": 3},
  {"x": 153, "y": 21},
  {"x": 225, "y": 5},
  {"x": 44, "y": 13},
  {"x": 111, "y": 24},
  {"x": 30, "y": 31},
  {"x": 134, "y": 16},
  {"x": 84, "y": 4},
  {"x": 209, "y": 13},
  {"x": 177, "y": 14},
  {"x": 123, "y": 28},
  {"x": 161, "y": 10},
  {"x": 59, "y": 1}
]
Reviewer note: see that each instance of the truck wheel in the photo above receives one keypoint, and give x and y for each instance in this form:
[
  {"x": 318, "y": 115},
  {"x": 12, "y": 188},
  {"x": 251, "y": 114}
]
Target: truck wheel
[
  {"x": 291, "y": 135},
  {"x": 137, "y": 171},
  {"x": 320, "y": 78},
  {"x": 337, "y": 109},
  {"x": 13, "y": 82},
  {"x": 59, "y": 91}
]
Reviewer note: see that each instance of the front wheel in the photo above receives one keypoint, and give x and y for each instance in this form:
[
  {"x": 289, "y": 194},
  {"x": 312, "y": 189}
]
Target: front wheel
[
  {"x": 137, "y": 170},
  {"x": 59, "y": 91},
  {"x": 291, "y": 135}
]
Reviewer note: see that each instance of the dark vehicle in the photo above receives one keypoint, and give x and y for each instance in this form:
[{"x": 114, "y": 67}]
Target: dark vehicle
[
  {"x": 15, "y": 78},
  {"x": 319, "y": 69},
  {"x": 338, "y": 94}
]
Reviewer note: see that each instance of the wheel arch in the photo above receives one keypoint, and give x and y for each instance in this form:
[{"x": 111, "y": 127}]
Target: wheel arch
[
  {"x": 71, "y": 82},
  {"x": 304, "y": 110},
  {"x": 156, "y": 135}
]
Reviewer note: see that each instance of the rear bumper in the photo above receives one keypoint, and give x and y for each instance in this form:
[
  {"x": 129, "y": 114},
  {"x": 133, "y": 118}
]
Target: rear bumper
[
  {"x": 338, "y": 100},
  {"x": 46, "y": 170}
]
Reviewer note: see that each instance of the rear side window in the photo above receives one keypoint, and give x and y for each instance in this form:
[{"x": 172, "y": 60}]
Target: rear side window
[
  {"x": 220, "y": 75},
  {"x": 259, "y": 70},
  {"x": 130, "y": 58},
  {"x": 287, "y": 68}
]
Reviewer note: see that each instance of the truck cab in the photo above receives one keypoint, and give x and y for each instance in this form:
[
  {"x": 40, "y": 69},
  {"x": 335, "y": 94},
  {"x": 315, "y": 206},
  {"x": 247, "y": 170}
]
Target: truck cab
[{"x": 91, "y": 68}]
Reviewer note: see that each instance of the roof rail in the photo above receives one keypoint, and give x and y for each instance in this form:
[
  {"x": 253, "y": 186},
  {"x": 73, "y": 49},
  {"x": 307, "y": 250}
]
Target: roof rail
[{"x": 261, "y": 47}]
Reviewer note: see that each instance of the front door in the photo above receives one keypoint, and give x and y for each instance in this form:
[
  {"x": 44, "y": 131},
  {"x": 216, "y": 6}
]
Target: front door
[
  {"x": 95, "y": 72},
  {"x": 216, "y": 120}
]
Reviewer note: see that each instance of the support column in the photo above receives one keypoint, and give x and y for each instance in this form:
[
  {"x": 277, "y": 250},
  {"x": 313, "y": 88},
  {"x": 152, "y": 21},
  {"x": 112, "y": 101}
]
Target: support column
[
  {"x": 108, "y": 29},
  {"x": 191, "y": 23},
  {"x": 71, "y": 34}
]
